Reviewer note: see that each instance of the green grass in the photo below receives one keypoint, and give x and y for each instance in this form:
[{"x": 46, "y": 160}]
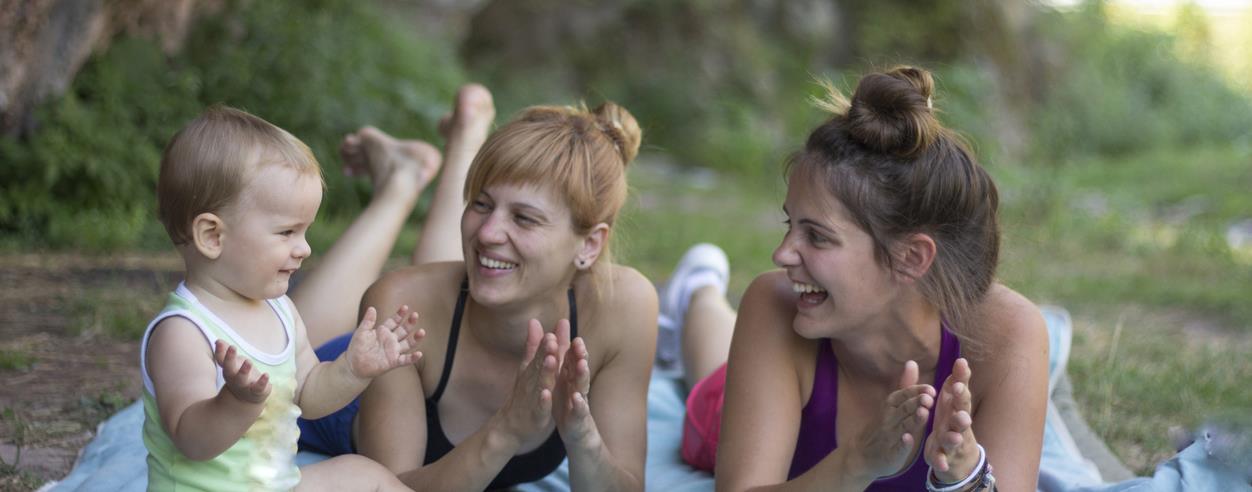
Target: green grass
[
  {"x": 672, "y": 208},
  {"x": 1143, "y": 230},
  {"x": 1139, "y": 371},
  {"x": 120, "y": 314},
  {"x": 15, "y": 360}
]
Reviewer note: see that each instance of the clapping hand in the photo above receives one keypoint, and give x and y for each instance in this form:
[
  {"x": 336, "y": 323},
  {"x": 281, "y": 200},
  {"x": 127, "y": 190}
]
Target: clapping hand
[
  {"x": 887, "y": 447},
  {"x": 572, "y": 409},
  {"x": 528, "y": 411},
  {"x": 247, "y": 385},
  {"x": 376, "y": 349},
  {"x": 951, "y": 449}
]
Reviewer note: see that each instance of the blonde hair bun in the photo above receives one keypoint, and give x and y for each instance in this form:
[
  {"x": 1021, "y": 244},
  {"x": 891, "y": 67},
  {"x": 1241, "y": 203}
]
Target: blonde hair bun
[{"x": 621, "y": 126}]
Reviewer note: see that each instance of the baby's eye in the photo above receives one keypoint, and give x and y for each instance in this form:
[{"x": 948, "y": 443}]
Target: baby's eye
[{"x": 288, "y": 232}]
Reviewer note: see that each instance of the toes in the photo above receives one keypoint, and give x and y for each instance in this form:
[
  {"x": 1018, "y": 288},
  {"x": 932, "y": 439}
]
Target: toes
[
  {"x": 473, "y": 111},
  {"x": 426, "y": 156},
  {"x": 474, "y": 100}
]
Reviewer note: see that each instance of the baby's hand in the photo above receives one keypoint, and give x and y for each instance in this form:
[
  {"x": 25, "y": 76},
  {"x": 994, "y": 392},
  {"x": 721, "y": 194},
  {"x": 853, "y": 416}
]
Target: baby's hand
[
  {"x": 378, "y": 349},
  {"x": 241, "y": 381}
]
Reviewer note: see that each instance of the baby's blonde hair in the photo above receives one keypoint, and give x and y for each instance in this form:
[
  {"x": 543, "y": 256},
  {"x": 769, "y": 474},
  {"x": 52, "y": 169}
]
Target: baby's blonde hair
[{"x": 207, "y": 164}]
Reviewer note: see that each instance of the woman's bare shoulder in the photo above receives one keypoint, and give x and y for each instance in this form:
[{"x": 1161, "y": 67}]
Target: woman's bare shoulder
[
  {"x": 1013, "y": 333},
  {"x": 770, "y": 292},
  {"x": 631, "y": 289},
  {"x": 628, "y": 303},
  {"x": 419, "y": 286},
  {"x": 1006, "y": 314}
]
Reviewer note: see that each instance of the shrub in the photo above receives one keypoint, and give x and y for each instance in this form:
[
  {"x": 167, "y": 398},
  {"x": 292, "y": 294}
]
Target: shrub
[{"x": 318, "y": 69}]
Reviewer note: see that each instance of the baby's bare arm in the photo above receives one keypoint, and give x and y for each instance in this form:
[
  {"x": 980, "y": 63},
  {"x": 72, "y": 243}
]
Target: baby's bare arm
[
  {"x": 377, "y": 346},
  {"x": 201, "y": 420}
]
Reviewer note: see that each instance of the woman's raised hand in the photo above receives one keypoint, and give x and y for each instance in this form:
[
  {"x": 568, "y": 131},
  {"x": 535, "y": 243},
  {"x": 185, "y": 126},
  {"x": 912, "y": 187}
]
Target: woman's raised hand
[
  {"x": 573, "y": 410},
  {"x": 528, "y": 410},
  {"x": 951, "y": 449},
  {"x": 887, "y": 447}
]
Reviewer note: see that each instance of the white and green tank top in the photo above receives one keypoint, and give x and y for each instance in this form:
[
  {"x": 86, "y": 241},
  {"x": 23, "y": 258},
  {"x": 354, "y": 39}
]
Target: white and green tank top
[{"x": 264, "y": 458}]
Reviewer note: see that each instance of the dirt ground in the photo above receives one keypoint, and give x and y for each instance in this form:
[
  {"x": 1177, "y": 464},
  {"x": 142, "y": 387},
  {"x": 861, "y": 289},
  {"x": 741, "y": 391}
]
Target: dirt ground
[{"x": 69, "y": 330}]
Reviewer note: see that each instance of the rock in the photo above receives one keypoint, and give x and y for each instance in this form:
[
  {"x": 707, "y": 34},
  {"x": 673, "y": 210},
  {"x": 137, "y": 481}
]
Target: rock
[{"x": 43, "y": 43}]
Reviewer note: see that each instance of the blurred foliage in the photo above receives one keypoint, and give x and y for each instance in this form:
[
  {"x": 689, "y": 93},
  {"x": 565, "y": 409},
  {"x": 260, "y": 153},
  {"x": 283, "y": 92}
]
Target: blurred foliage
[
  {"x": 723, "y": 85},
  {"x": 318, "y": 69},
  {"x": 1123, "y": 90},
  {"x": 715, "y": 84}
]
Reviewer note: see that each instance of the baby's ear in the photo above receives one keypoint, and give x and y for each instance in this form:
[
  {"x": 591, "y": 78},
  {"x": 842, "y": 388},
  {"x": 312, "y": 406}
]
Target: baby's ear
[{"x": 207, "y": 231}]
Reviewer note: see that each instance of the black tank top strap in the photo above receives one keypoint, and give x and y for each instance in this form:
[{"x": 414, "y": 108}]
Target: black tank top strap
[
  {"x": 454, "y": 333},
  {"x": 523, "y": 468},
  {"x": 573, "y": 314}
]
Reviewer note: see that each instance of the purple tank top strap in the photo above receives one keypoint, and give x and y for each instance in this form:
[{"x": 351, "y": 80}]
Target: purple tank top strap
[
  {"x": 817, "y": 420},
  {"x": 949, "y": 352},
  {"x": 817, "y": 436}
]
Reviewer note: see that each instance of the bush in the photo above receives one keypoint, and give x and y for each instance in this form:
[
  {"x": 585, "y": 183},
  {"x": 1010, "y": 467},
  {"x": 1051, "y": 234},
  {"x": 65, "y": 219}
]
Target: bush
[
  {"x": 1124, "y": 90},
  {"x": 318, "y": 69}
]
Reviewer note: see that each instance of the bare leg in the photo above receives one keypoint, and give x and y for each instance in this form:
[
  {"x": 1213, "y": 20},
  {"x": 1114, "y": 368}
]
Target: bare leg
[
  {"x": 464, "y": 131},
  {"x": 706, "y": 333},
  {"x": 328, "y": 297},
  {"x": 348, "y": 472}
]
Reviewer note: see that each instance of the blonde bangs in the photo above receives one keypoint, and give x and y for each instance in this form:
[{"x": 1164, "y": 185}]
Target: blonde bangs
[{"x": 529, "y": 152}]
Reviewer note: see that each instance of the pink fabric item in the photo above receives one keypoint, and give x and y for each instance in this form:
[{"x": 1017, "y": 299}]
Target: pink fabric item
[{"x": 703, "y": 422}]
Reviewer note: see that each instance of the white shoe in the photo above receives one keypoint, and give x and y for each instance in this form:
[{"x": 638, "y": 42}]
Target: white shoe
[{"x": 701, "y": 266}]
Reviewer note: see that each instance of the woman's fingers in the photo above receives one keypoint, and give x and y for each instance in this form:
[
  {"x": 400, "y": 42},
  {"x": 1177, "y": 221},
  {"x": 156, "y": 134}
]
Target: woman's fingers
[
  {"x": 548, "y": 373},
  {"x": 534, "y": 336},
  {"x": 562, "y": 339},
  {"x": 909, "y": 376},
  {"x": 581, "y": 366},
  {"x": 941, "y": 462}
]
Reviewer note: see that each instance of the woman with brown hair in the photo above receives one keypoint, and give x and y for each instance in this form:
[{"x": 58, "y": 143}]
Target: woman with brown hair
[{"x": 882, "y": 355}]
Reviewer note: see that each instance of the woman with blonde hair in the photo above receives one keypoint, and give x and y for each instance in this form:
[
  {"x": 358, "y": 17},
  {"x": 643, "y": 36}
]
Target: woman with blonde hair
[{"x": 537, "y": 346}]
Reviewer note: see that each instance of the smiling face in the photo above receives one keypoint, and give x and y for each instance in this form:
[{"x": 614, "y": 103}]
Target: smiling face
[
  {"x": 264, "y": 241},
  {"x": 519, "y": 242},
  {"x": 839, "y": 285}
]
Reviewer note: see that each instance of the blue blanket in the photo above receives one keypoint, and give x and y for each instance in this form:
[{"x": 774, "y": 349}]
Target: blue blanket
[{"x": 115, "y": 459}]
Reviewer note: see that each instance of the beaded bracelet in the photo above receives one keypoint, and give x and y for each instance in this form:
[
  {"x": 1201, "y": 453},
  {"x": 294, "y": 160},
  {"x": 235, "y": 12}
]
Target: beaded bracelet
[{"x": 981, "y": 473}]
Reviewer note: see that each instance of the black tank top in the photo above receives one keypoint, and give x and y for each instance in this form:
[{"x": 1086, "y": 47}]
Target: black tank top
[{"x": 523, "y": 468}]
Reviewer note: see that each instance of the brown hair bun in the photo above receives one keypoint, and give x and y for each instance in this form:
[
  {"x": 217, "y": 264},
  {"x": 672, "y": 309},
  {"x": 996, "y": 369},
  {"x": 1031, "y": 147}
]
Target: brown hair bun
[{"x": 891, "y": 112}]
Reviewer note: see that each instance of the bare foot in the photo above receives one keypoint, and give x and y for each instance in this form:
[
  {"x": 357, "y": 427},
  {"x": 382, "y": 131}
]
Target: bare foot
[
  {"x": 402, "y": 167},
  {"x": 467, "y": 126}
]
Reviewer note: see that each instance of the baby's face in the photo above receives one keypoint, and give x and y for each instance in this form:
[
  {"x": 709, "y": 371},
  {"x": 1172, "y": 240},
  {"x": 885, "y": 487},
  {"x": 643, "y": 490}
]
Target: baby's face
[{"x": 264, "y": 241}]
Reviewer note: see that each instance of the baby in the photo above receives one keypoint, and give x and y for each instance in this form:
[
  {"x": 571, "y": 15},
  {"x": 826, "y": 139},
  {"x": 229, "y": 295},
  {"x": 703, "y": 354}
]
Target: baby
[{"x": 226, "y": 365}]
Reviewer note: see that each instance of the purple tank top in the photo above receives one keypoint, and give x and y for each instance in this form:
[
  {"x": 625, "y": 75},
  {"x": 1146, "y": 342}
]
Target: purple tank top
[{"x": 817, "y": 422}]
